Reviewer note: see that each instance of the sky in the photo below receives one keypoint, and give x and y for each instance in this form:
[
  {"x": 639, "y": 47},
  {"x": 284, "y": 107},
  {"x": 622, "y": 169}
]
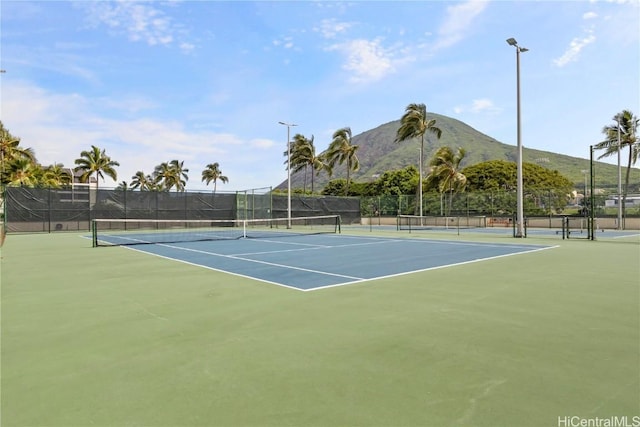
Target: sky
[{"x": 209, "y": 81}]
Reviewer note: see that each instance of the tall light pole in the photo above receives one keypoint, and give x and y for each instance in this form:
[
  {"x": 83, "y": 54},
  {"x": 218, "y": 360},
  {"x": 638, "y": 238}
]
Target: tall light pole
[
  {"x": 289, "y": 126},
  {"x": 519, "y": 191},
  {"x": 619, "y": 177}
]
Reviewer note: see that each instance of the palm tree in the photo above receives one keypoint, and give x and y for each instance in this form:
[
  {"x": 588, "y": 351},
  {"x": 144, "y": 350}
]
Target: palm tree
[
  {"x": 56, "y": 175},
  {"x": 180, "y": 173},
  {"x": 142, "y": 181},
  {"x": 10, "y": 150},
  {"x": 170, "y": 174},
  {"x": 627, "y": 123},
  {"x": 123, "y": 186},
  {"x": 445, "y": 172},
  {"x": 163, "y": 177},
  {"x": 303, "y": 156},
  {"x": 414, "y": 123},
  {"x": 213, "y": 173},
  {"x": 299, "y": 152},
  {"x": 340, "y": 151},
  {"x": 23, "y": 172},
  {"x": 95, "y": 161}
]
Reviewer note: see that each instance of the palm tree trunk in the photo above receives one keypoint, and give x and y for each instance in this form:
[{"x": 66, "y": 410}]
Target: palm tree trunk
[
  {"x": 346, "y": 190},
  {"x": 626, "y": 180},
  {"x": 421, "y": 173},
  {"x": 313, "y": 172},
  {"x": 305, "y": 180}
]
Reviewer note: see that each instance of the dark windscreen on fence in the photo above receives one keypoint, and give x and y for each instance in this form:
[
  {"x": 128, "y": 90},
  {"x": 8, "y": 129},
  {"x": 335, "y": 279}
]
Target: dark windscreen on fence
[{"x": 73, "y": 208}]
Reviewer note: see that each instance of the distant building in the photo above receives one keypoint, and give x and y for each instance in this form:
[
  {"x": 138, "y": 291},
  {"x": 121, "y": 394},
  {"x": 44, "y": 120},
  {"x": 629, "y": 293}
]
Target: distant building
[{"x": 631, "y": 201}]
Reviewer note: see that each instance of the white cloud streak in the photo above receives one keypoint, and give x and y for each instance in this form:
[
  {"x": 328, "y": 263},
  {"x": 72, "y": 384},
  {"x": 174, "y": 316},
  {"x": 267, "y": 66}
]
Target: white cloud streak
[
  {"x": 458, "y": 22},
  {"x": 575, "y": 47},
  {"x": 478, "y": 106},
  {"x": 330, "y": 28},
  {"x": 139, "y": 21}
]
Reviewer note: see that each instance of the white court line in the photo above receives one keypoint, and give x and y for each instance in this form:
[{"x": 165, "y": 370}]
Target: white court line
[
  {"x": 281, "y": 242},
  {"x": 434, "y": 241},
  {"x": 404, "y": 273},
  {"x": 290, "y": 267},
  {"x": 193, "y": 264},
  {"x": 626, "y": 235},
  {"x": 313, "y": 248}
]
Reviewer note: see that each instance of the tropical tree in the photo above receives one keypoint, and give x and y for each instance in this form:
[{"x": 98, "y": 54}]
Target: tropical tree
[
  {"x": 180, "y": 173},
  {"x": 445, "y": 172},
  {"x": 95, "y": 161},
  {"x": 303, "y": 156},
  {"x": 415, "y": 123},
  {"x": 397, "y": 182},
  {"x": 163, "y": 176},
  {"x": 142, "y": 181},
  {"x": 56, "y": 175},
  {"x": 10, "y": 150},
  {"x": 171, "y": 174},
  {"x": 213, "y": 173},
  {"x": 342, "y": 151},
  {"x": 23, "y": 172},
  {"x": 123, "y": 186},
  {"x": 625, "y": 130}
]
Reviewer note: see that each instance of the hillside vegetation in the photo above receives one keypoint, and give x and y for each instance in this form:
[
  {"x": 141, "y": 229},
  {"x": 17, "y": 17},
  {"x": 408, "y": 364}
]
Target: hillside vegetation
[{"x": 378, "y": 153}]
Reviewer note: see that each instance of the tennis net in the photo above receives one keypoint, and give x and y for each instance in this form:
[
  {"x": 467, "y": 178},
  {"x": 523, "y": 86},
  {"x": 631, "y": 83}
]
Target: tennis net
[
  {"x": 118, "y": 232},
  {"x": 416, "y": 222}
]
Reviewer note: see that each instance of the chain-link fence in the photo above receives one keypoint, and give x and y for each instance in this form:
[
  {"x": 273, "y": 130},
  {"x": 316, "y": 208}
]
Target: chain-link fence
[
  {"x": 547, "y": 206},
  {"x": 72, "y": 209}
]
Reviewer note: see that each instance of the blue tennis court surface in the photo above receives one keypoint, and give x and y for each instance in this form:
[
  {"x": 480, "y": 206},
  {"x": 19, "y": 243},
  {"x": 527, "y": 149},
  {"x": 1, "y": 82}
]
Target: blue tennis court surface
[{"x": 314, "y": 262}]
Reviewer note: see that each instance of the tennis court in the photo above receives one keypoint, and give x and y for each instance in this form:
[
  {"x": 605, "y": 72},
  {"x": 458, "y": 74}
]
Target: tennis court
[
  {"x": 434, "y": 329},
  {"x": 311, "y": 262}
]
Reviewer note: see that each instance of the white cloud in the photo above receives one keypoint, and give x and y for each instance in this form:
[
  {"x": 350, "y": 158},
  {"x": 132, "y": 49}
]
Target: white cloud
[
  {"x": 367, "y": 60},
  {"x": 262, "y": 143},
  {"x": 574, "y": 49},
  {"x": 478, "y": 106},
  {"x": 590, "y": 15},
  {"x": 458, "y": 22},
  {"x": 483, "y": 105},
  {"x": 139, "y": 21},
  {"x": 330, "y": 28},
  {"x": 285, "y": 42},
  {"x": 59, "y": 126}
]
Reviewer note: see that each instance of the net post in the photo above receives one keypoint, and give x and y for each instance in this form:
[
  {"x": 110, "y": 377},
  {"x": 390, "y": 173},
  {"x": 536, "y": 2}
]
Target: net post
[
  {"x": 592, "y": 210},
  {"x": 338, "y": 224},
  {"x": 94, "y": 233}
]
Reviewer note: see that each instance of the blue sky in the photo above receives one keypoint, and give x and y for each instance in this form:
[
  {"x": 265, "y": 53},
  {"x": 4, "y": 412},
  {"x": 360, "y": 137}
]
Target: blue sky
[{"x": 208, "y": 81}]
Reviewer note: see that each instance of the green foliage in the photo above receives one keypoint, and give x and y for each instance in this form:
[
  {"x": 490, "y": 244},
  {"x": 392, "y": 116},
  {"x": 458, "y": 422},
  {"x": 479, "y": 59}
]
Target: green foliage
[
  {"x": 170, "y": 174},
  {"x": 502, "y": 175},
  {"x": 401, "y": 181}
]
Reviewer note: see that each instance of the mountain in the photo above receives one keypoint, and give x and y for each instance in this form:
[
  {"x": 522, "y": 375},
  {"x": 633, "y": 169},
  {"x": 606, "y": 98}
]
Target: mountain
[{"x": 378, "y": 152}]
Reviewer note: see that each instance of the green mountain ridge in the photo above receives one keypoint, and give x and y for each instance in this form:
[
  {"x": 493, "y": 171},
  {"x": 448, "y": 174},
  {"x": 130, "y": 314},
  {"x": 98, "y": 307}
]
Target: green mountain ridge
[{"x": 378, "y": 152}]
